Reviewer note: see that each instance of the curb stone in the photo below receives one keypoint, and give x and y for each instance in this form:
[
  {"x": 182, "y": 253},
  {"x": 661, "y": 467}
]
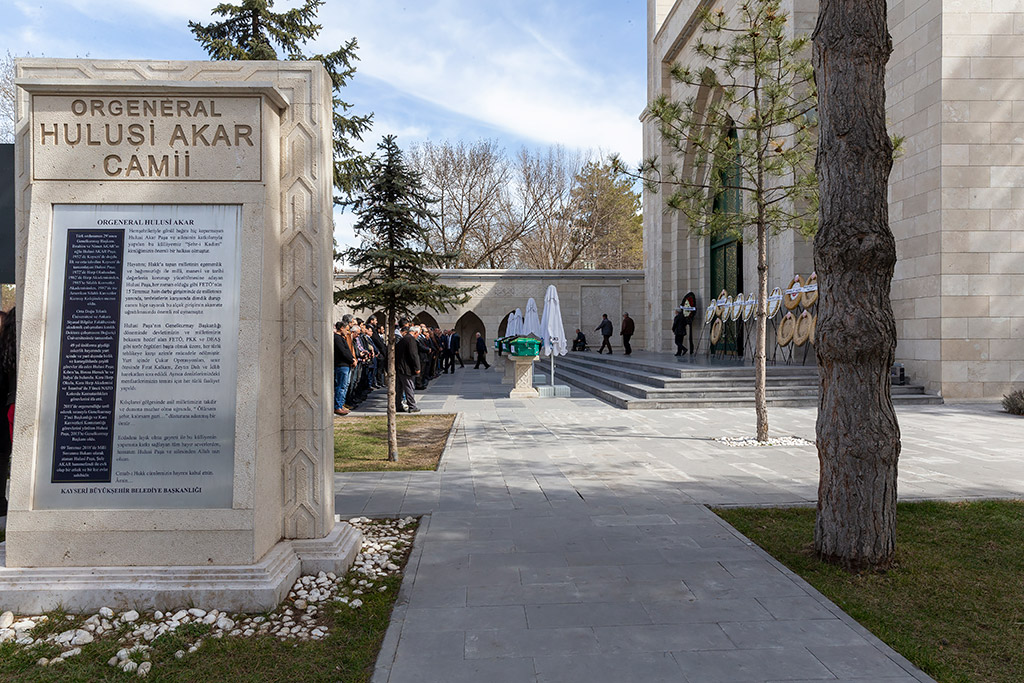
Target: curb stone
[
  {"x": 389, "y": 647},
  {"x": 875, "y": 641}
]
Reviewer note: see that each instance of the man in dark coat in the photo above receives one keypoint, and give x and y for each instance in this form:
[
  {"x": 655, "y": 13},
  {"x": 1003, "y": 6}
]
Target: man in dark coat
[
  {"x": 679, "y": 330},
  {"x": 481, "y": 352},
  {"x": 447, "y": 353},
  {"x": 407, "y": 366},
  {"x": 628, "y": 327},
  {"x": 456, "y": 347},
  {"x": 428, "y": 354},
  {"x": 606, "y": 331},
  {"x": 580, "y": 342}
]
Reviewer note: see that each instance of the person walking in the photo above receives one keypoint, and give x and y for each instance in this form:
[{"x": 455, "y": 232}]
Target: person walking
[
  {"x": 606, "y": 331},
  {"x": 407, "y": 366},
  {"x": 679, "y": 330},
  {"x": 481, "y": 353},
  {"x": 628, "y": 327},
  {"x": 344, "y": 360},
  {"x": 447, "y": 353},
  {"x": 456, "y": 348}
]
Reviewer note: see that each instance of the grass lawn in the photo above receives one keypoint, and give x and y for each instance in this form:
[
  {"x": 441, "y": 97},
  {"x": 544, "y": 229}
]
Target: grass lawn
[
  {"x": 348, "y": 654},
  {"x": 360, "y": 442},
  {"x": 954, "y": 602}
]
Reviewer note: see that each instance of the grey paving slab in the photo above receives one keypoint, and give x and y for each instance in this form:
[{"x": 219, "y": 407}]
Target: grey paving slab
[
  {"x": 743, "y": 666},
  {"x": 545, "y": 642},
  {"x": 655, "y": 666},
  {"x": 863, "y": 662},
  {"x": 565, "y": 540}
]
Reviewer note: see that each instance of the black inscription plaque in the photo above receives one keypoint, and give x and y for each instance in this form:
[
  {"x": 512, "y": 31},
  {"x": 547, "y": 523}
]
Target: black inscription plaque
[{"x": 87, "y": 380}]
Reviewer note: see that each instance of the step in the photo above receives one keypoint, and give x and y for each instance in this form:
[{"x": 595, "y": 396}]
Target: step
[
  {"x": 684, "y": 369},
  {"x": 665, "y": 382},
  {"x": 610, "y": 393},
  {"x": 690, "y": 389}
]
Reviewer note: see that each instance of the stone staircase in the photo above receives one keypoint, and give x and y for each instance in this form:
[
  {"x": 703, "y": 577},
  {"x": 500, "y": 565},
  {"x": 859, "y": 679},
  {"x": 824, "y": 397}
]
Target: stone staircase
[{"x": 646, "y": 381}]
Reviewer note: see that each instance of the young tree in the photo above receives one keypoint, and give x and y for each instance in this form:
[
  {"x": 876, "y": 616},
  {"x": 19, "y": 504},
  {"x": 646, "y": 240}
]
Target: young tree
[
  {"x": 855, "y": 253},
  {"x": 251, "y": 31},
  {"x": 392, "y": 269},
  {"x": 745, "y": 141}
]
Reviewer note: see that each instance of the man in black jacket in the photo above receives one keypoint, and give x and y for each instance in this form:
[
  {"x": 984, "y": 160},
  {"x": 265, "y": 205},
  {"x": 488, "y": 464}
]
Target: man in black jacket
[
  {"x": 481, "y": 352},
  {"x": 580, "y": 342},
  {"x": 407, "y": 365},
  {"x": 627, "y": 330},
  {"x": 606, "y": 331},
  {"x": 679, "y": 330}
]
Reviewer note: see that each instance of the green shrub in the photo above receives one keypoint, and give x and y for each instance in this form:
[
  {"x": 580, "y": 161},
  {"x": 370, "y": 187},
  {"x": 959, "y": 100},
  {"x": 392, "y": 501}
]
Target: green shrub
[{"x": 1014, "y": 403}]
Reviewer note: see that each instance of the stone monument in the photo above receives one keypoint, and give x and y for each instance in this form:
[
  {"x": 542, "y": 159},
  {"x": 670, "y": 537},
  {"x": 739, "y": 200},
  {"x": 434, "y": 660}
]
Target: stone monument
[{"x": 173, "y": 435}]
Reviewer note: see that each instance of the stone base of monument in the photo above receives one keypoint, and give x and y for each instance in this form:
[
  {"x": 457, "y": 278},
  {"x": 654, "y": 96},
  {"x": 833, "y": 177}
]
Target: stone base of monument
[
  {"x": 254, "y": 588},
  {"x": 523, "y": 387},
  {"x": 549, "y": 391},
  {"x": 510, "y": 370}
]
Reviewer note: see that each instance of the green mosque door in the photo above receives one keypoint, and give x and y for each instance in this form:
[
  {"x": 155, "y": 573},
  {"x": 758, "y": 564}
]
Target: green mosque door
[{"x": 727, "y": 255}]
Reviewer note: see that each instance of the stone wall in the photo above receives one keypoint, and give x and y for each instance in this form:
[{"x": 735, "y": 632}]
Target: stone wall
[
  {"x": 955, "y": 93},
  {"x": 583, "y": 295},
  {"x": 982, "y": 197}
]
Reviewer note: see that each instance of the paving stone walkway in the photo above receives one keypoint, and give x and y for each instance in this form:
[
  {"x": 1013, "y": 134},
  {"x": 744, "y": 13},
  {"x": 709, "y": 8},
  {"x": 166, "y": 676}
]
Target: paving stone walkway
[{"x": 566, "y": 540}]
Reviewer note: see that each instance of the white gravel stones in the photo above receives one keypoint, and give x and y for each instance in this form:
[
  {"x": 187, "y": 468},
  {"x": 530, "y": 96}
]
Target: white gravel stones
[
  {"x": 385, "y": 543},
  {"x": 752, "y": 442}
]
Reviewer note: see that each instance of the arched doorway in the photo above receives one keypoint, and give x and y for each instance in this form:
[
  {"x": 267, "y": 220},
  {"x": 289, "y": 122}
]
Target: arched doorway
[
  {"x": 424, "y": 318},
  {"x": 467, "y": 327},
  {"x": 503, "y": 325}
]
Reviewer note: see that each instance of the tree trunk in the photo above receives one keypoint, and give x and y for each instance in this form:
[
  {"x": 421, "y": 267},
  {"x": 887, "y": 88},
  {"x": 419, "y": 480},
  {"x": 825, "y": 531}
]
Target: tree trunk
[
  {"x": 392, "y": 393},
  {"x": 760, "y": 354},
  {"x": 854, "y": 254}
]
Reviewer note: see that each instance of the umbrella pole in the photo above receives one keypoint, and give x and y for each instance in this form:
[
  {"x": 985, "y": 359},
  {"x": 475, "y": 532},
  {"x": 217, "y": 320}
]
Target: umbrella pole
[{"x": 552, "y": 367}]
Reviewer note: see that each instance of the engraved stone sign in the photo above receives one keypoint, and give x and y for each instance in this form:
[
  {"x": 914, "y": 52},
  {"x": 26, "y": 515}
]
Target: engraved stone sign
[
  {"x": 146, "y": 137},
  {"x": 138, "y": 403}
]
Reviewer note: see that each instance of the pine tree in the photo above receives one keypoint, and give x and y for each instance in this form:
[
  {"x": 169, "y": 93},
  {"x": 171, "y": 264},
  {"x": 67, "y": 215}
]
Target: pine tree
[
  {"x": 393, "y": 273},
  {"x": 858, "y": 433},
  {"x": 746, "y": 138},
  {"x": 251, "y": 31}
]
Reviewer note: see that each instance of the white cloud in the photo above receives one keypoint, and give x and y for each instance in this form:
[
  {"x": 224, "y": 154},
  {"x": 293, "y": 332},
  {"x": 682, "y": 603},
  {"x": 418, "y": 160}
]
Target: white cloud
[
  {"x": 176, "y": 11},
  {"x": 504, "y": 72}
]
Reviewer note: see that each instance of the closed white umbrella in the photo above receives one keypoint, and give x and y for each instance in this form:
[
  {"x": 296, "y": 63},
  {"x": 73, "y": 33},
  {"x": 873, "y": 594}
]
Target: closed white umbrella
[
  {"x": 552, "y": 332},
  {"x": 515, "y": 324},
  {"x": 531, "y": 321}
]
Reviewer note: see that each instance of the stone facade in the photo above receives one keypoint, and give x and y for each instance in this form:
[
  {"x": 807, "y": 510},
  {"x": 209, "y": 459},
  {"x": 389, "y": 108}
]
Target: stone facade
[
  {"x": 955, "y": 92},
  {"x": 583, "y": 294}
]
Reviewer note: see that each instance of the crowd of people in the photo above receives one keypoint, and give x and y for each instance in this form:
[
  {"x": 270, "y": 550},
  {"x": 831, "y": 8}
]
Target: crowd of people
[{"x": 422, "y": 354}]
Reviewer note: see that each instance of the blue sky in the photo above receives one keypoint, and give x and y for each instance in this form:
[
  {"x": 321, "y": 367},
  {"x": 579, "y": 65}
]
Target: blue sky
[{"x": 524, "y": 72}]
